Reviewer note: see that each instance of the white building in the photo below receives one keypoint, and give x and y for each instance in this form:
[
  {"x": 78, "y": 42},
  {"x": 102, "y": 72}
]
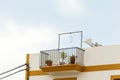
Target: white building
[{"x": 95, "y": 63}]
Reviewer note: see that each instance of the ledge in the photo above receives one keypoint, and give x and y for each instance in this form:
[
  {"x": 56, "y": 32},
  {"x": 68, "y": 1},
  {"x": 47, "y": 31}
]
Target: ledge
[
  {"x": 69, "y": 67},
  {"x": 73, "y": 68}
]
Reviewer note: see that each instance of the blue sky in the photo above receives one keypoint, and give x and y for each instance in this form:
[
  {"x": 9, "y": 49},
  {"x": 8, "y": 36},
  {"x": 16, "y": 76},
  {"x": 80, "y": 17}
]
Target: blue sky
[{"x": 28, "y": 26}]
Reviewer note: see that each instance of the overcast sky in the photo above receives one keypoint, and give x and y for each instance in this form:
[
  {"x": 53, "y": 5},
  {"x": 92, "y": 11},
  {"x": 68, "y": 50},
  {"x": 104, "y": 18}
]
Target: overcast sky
[{"x": 28, "y": 26}]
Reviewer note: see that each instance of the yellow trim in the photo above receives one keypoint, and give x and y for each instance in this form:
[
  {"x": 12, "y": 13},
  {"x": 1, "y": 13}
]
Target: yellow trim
[
  {"x": 73, "y": 78},
  {"x": 27, "y": 68},
  {"x": 62, "y": 68},
  {"x": 102, "y": 67},
  {"x": 75, "y": 67},
  {"x": 115, "y": 77},
  {"x": 36, "y": 73}
]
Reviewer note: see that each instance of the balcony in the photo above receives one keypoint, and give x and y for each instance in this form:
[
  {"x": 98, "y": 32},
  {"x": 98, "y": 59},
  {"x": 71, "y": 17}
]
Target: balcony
[{"x": 64, "y": 59}]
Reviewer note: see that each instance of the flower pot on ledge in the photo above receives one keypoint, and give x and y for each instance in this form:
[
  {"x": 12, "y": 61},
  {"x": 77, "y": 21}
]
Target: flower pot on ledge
[
  {"x": 48, "y": 62},
  {"x": 72, "y": 59}
]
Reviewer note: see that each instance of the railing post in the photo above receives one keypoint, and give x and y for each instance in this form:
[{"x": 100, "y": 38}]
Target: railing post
[
  {"x": 58, "y": 41},
  {"x": 81, "y": 38},
  {"x": 27, "y": 66}
]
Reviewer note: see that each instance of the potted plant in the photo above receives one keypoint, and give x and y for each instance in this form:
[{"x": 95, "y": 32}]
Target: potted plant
[
  {"x": 72, "y": 59},
  {"x": 48, "y": 62},
  {"x": 63, "y": 56}
]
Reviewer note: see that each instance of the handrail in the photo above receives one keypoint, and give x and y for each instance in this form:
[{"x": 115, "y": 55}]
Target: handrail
[
  {"x": 62, "y": 49},
  {"x": 12, "y": 74},
  {"x": 12, "y": 69},
  {"x": 55, "y": 55}
]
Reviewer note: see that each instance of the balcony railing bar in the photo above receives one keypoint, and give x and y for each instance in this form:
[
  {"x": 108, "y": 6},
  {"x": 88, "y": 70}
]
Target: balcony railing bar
[
  {"x": 55, "y": 55},
  {"x": 62, "y": 49}
]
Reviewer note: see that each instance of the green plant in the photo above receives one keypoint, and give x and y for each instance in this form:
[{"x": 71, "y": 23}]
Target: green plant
[{"x": 63, "y": 55}]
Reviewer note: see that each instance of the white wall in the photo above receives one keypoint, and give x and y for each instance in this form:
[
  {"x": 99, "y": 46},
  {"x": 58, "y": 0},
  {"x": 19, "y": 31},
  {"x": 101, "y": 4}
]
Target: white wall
[
  {"x": 62, "y": 74},
  {"x": 34, "y": 61},
  {"x": 43, "y": 77},
  {"x": 98, "y": 75},
  {"x": 80, "y": 56},
  {"x": 102, "y": 55},
  {"x": 95, "y": 75}
]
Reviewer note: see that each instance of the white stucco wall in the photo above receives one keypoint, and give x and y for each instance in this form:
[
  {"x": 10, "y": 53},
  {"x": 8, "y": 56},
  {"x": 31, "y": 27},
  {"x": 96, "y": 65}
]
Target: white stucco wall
[
  {"x": 43, "y": 77},
  {"x": 62, "y": 74},
  {"x": 95, "y": 75},
  {"x": 34, "y": 61},
  {"x": 102, "y": 55},
  {"x": 98, "y": 75}
]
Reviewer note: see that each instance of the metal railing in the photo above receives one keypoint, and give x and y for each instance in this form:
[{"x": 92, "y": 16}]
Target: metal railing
[
  {"x": 8, "y": 73},
  {"x": 62, "y": 56}
]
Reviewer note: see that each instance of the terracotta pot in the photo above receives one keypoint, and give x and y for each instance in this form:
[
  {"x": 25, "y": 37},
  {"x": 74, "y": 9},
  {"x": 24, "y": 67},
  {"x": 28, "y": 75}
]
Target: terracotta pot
[
  {"x": 62, "y": 63},
  {"x": 72, "y": 61},
  {"x": 49, "y": 64}
]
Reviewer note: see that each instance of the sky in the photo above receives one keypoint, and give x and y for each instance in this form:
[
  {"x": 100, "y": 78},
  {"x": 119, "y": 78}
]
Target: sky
[{"x": 28, "y": 26}]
